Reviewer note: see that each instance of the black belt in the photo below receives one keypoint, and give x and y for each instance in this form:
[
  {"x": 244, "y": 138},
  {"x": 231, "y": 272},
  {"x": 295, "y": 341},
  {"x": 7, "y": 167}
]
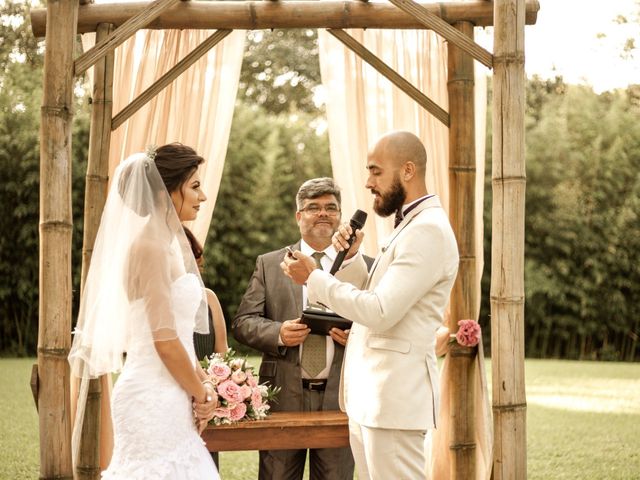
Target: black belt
[{"x": 314, "y": 385}]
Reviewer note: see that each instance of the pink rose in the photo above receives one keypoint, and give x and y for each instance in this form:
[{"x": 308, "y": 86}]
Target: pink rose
[
  {"x": 251, "y": 380},
  {"x": 239, "y": 377},
  {"x": 256, "y": 398},
  {"x": 245, "y": 391},
  {"x": 230, "y": 391},
  {"x": 222, "y": 412},
  {"x": 238, "y": 411},
  {"x": 469, "y": 333},
  {"x": 220, "y": 371}
]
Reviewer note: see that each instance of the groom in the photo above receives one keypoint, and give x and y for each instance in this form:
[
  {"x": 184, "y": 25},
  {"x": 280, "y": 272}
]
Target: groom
[{"x": 390, "y": 378}]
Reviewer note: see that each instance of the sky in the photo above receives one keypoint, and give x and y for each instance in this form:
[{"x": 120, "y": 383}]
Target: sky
[{"x": 580, "y": 40}]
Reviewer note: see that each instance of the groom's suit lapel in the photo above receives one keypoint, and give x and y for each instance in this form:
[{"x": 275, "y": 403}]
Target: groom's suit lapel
[{"x": 429, "y": 203}]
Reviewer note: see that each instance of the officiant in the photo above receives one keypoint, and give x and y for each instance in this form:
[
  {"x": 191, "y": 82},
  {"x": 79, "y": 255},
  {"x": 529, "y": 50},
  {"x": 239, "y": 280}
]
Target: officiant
[{"x": 305, "y": 366}]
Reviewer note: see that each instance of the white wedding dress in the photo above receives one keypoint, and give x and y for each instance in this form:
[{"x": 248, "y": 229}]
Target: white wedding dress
[{"x": 155, "y": 435}]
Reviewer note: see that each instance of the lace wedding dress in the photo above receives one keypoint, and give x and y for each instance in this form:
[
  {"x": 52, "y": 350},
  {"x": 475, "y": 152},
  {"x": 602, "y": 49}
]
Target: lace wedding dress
[{"x": 155, "y": 435}]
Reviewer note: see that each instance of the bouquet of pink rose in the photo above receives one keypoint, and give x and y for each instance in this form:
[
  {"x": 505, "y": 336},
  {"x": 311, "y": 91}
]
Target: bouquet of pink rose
[
  {"x": 468, "y": 334},
  {"x": 240, "y": 396}
]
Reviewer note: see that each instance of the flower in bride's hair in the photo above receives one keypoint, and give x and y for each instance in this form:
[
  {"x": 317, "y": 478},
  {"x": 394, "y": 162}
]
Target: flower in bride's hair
[{"x": 151, "y": 151}]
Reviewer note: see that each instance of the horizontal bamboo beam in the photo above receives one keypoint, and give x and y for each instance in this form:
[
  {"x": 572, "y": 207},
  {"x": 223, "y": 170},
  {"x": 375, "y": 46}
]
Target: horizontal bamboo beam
[
  {"x": 446, "y": 31},
  {"x": 122, "y": 33},
  {"x": 244, "y": 15},
  {"x": 360, "y": 50},
  {"x": 160, "y": 84}
]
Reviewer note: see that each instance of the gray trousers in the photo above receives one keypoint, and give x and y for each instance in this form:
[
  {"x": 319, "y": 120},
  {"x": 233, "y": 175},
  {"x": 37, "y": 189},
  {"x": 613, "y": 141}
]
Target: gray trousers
[{"x": 324, "y": 463}]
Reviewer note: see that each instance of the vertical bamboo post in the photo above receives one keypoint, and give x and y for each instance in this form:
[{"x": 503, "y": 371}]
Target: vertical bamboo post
[
  {"x": 55, "y": 241},
  {"x": 464, "y": 301},
  {"x": 507, "y": 243},
  {"x": 88, "y": 463}
]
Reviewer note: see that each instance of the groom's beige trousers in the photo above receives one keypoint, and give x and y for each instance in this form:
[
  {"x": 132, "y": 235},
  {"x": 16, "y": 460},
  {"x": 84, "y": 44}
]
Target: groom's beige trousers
[{"x": 385, "y": 454}]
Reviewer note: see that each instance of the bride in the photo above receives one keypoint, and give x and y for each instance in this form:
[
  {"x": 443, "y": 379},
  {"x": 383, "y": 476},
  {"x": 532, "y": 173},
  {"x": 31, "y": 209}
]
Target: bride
[{"x": 144, "y": 297}]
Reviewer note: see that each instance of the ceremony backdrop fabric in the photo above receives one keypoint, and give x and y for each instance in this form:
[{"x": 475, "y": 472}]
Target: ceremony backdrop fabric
[
  {"x": 195, "y": 109},
  {"x": 361, "y": 106}
]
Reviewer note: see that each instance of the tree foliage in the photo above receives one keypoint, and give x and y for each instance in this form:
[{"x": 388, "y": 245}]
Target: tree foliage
[
  {"x": 582, "y": 287},
  {"x": 280, "y": 70},
  {"x": 20, "y": 100},
  {"x": 269, "y": 156},
  {"x": 582, "y": 199}
]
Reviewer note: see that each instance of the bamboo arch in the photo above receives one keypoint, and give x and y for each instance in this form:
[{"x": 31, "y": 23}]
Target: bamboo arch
[{"x": 455, "y": 20}]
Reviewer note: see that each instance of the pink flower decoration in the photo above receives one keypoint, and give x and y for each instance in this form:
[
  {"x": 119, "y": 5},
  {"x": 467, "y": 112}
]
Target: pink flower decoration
[
  {"x": 469, "y": 333},
  {"x": 239, "y": 377},
  {"x": 238, "y": 411},
  {"x": 220, "y": 371},
  {"x": 256, "y": 398},
  {"x": 222, "y": 412},
  {"x": 251, "y": 380},
  {"x": 230, "y": 391},
  {"x": 245, "y": 391}
]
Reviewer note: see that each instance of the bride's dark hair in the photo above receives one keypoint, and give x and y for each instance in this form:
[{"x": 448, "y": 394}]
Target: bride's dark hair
[{"x": 176, "y": 163}]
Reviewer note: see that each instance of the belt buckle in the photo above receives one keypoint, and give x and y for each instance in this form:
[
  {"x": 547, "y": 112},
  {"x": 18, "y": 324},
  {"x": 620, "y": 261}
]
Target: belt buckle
[{"x": 315, "y": 385}]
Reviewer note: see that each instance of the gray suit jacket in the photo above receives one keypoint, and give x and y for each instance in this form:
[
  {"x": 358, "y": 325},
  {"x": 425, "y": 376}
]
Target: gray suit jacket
[{"x": 270, "y": 299}]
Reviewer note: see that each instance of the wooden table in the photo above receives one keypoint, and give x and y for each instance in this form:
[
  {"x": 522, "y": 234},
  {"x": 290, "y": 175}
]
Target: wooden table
[{"x": 281, "y": 431}]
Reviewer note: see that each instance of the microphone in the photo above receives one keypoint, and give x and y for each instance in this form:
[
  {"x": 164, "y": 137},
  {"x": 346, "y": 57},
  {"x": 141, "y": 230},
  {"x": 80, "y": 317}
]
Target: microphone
[{"x": 356, "y": 223}]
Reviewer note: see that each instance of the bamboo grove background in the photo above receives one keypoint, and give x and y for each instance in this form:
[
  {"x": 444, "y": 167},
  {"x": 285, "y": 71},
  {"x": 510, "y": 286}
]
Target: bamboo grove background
[{"x": 582, "y": 221}]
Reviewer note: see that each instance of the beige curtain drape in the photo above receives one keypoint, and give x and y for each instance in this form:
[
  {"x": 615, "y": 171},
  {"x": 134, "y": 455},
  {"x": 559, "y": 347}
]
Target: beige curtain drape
[
  {"x": 361, "y": 106},
  {"x": 196, "y": 109}
]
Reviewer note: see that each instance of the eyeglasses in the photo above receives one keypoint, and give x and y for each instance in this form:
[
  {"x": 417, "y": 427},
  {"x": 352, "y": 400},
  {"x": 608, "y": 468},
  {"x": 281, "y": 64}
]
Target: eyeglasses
[{"x": 315, "y": 209}]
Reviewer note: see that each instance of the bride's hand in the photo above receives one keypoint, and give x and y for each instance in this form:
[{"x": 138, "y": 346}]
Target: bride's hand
[
  {"x": 204, "y": 411},
  {"x": 202, "y": 424}
]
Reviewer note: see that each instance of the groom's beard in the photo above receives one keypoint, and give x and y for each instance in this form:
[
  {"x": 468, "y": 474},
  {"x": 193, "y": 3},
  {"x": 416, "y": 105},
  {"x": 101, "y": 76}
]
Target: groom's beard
[{"x": 390, "y": 201}]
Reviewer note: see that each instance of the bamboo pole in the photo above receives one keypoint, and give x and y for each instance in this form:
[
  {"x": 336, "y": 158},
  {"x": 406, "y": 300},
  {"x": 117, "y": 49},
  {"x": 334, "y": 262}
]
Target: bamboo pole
[
  {"x": 462, "y": 364},
  {"x": 464, "y": 301},
  {"x": 507, "y": 243},
  {"x": 395, "y": 78},
  {"x": 88, "y": 461},
  {"x": 231, "y": 15},
  {"x": 445, "y": 30},
  {"x": 56, "y": 225},
  {"x": 168, "y": 77},
  {"x": 131, "y": 26}
]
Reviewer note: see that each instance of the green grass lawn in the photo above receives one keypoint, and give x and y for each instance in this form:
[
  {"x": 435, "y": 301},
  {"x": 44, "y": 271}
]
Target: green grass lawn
[{"x": 583, "y": 423}]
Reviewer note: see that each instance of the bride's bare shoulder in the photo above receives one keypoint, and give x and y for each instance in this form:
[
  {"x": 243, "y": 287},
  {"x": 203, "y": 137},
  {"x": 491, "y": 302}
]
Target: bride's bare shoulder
[{"x": 144, "y": 247}]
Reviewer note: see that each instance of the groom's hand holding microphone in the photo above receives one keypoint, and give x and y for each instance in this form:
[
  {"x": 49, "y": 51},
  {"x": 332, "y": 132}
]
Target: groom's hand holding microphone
[{"x": 346, "y": 241}]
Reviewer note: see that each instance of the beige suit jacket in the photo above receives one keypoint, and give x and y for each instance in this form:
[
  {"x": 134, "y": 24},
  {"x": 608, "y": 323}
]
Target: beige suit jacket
[{"x": 390, "y": 375}]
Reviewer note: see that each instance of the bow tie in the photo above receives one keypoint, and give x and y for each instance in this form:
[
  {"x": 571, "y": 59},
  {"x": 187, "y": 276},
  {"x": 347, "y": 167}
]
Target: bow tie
[
  {"x": 398, "y": 218},
  {"x": 400, "y": 214}
]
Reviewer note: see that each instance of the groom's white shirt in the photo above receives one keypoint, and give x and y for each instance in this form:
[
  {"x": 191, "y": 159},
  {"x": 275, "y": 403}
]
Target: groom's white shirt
[{"x": 390, "y": 375}]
